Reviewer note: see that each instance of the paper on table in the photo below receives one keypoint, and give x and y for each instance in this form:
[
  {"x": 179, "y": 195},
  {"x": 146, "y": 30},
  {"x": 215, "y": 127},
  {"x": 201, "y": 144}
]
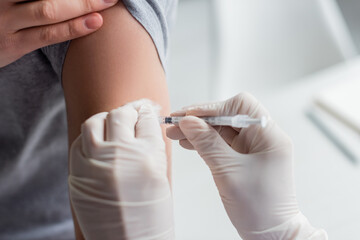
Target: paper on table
[
  {"x": 342, "y": 137},
  {"x": 343, "y": 102}
]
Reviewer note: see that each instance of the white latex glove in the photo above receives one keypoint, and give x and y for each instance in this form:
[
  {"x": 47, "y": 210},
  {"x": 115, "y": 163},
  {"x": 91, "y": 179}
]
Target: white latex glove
[
  {"x": 118, "y": 183},
  {"x": 252, "y": 168}
]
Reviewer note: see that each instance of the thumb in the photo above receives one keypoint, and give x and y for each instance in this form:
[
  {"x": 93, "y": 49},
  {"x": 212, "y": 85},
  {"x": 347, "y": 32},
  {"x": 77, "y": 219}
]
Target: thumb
[{"x": 205, "y": 140}]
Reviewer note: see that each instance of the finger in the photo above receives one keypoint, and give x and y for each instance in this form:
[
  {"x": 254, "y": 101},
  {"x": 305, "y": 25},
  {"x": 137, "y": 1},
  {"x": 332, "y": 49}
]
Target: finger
[
  {"x": 178, "y": 113},
  {"x": 243, "y": 103},
  {"x": 174, "y": 133},
  {"x": 93, "y": 133},
  {"x": 139, "y": 103},
  {"x": 148, "y": 125},
  {"x": 120, "y": 124},
  {"x": 247, "y": 104},
  {"x": 227, "y": 133},
  {"x": 258, "y": 139},
  {"x": 38, "y": 37},
  {"x": 186, "y": 144},
  {"x": 205, "y": 139},
  {"x": 45, "y": 12}
]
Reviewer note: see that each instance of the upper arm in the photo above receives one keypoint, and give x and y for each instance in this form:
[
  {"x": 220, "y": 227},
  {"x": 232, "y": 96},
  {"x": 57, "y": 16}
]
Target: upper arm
[
  {"x": 117, "y": 64},
  {"x": 113, "y": 66}
]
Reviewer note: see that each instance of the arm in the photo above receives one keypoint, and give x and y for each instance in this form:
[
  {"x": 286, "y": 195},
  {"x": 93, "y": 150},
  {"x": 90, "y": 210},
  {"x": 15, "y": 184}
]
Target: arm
[{"x": 116, "y": 65}]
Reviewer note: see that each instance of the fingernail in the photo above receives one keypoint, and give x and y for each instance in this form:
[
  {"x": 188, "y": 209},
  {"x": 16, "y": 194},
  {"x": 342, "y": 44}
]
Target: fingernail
[{"x": 93, "y": 22}]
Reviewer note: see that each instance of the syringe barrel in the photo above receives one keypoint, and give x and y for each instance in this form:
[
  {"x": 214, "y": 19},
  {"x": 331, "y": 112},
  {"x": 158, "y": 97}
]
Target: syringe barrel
[
  {"x": 220, "y": 120},
  {"x": 238, "y": 121}
]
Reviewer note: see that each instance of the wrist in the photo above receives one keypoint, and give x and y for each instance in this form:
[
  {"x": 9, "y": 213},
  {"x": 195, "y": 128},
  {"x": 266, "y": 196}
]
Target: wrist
[
  {"x": 298, "y": 227},
  {"x": 151, "y": 219}
]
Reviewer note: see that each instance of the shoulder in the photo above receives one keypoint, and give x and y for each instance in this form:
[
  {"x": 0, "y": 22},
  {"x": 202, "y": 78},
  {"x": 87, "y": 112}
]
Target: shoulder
[{"x": 157, "y": 17}]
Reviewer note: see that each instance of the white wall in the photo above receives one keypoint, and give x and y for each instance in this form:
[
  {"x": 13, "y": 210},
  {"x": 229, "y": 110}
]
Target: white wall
[
  {"x": 199, "y": 213},
  {"x": 264, "y": 44},
  {"x": 249, "y": 45}
]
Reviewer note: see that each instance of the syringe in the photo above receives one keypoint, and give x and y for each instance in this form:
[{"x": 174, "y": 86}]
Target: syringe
[{"x": 238, "y": 121}]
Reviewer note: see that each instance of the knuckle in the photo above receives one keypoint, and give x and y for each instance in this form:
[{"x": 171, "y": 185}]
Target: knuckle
[
  {"x": 89, "y": 5},
  {"x": 125, "y": 112},
  {"x": 113, "y": 113},
  {"x": 6, "y": 43},
  {"x": 87, "y": 124},
  {"x": 244, "y": 96},
  {"x": 48, "y": 34},
  {"x": 71, "y": 30},
  {"x": 115, "y": 116},
  {"x": 93, "y": 120},
  {"x": 90, "y": 123},
  {"x": 46, "y": 11}
]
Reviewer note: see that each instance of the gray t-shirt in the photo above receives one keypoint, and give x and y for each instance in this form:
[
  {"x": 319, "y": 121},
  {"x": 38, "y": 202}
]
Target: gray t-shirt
[{"x": 34, "y": 200}]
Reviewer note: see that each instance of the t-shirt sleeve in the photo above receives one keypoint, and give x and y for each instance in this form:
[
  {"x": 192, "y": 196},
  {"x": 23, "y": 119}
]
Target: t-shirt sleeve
[{"x": 155, "y": 16}]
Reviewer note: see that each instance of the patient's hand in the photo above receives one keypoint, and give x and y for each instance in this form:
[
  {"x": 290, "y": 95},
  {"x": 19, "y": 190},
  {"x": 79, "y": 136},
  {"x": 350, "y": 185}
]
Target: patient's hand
[{"x": 28, "y": 25}]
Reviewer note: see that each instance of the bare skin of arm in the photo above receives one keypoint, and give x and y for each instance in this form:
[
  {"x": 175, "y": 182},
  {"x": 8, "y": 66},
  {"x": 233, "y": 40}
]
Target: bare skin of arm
[{"x": 107, "y": 69}]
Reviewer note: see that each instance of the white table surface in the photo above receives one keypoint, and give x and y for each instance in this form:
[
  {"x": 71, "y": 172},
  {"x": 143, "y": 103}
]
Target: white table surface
[{"x": 328, "y": 184}]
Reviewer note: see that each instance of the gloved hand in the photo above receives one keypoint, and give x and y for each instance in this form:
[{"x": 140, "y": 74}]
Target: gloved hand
[
  {"x": 118, "y": 183},
  {"x": 252, "y": 168}
]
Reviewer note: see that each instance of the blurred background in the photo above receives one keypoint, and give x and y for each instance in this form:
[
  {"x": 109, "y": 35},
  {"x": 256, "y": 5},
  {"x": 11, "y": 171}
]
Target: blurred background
[{"x": 300, "y": 58}]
